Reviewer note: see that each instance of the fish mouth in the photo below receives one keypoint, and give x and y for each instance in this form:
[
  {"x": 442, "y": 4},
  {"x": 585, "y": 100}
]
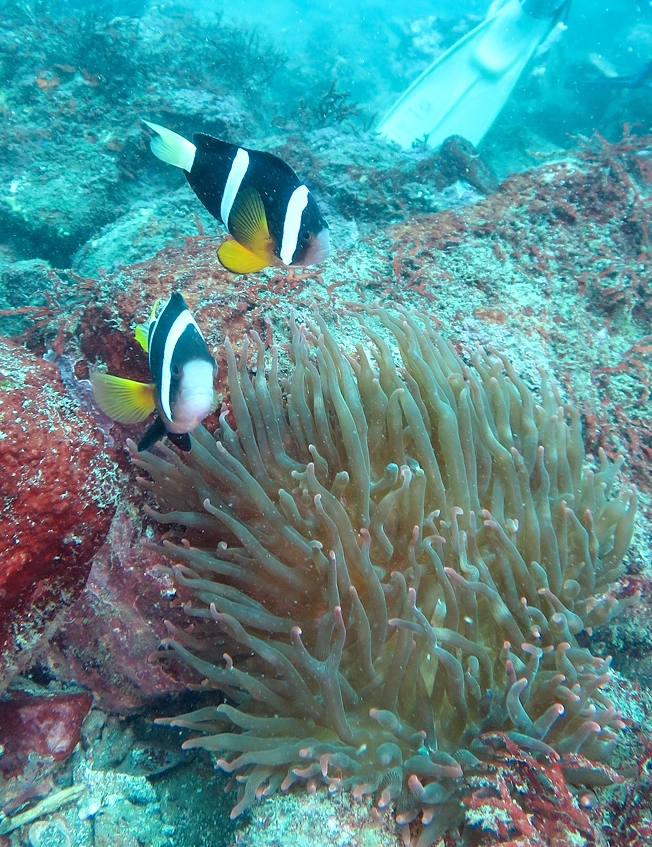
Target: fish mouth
[
  {"x": 319, "y": 249},
  {"x": 190, "y": 411},
  {"x": 194, "y": 398}
]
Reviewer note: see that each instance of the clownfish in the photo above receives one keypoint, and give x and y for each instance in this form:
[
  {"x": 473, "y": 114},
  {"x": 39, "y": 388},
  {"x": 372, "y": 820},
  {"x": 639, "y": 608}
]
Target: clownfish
[
  {"x": 182, "y": 372},
  {"x": 271, "y": 215}
]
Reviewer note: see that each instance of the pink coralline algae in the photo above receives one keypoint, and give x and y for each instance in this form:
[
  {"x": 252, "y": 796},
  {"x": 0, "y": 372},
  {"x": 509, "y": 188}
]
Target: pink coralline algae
[
  {"x": 117, "y": 622},
  {"x": 47, "y": 726}
]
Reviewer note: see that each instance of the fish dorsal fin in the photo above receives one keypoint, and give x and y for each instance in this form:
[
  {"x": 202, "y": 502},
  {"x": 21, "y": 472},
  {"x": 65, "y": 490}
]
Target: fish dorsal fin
[
  {"x": 211, "y": 144},
  {"x": 141, "y": 335},
  {"x": 142, "y": 331},
  {"x": 274, "y": 164},
  {"x": 248, "y": 223},
  {"x": 124, "y": 400},
  {"x": 239, "y": 260}
]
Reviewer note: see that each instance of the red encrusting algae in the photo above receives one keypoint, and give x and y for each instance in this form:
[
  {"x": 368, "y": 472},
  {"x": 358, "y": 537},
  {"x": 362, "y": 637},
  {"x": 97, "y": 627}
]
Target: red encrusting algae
[{"x": 59, "y": 487}]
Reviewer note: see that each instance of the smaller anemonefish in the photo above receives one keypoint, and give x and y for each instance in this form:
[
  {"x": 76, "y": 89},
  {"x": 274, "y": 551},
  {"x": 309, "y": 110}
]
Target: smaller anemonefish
[
  {"x": 182, "y": 372},
  {"x": 272, "y": 216}
]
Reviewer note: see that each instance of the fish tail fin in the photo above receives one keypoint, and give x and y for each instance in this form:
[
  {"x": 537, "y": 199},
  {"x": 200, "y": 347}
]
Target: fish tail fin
[
  {"x": 124, "y": 400},
  {"x": 172, "y": 148}
]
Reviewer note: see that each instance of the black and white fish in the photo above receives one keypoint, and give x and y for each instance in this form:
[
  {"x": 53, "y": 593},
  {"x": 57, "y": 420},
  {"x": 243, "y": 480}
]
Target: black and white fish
[
  {"x": 270, "y": 213},
  {"x": 182, "y": 372}
]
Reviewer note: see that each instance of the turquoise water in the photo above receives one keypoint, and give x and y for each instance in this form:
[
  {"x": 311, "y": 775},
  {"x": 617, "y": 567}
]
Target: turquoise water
[{"x": 488, "y": 182}]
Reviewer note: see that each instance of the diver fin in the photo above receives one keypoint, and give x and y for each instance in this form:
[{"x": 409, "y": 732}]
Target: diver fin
[
  {"x": 172, "y": 148},
  {"x": 124, "y": 400},
  {"x": 463, "y": 91},
  {"x": 180, "y": 440},
  {"x": 238, "y": 259},
  {"x": 644, "y": 76},
  {"x": 154, "y": 433},
  {"x": 248, "y": 223}
]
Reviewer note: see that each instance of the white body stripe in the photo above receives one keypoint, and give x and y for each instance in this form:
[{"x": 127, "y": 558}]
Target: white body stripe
[
  {"x": 292, "y": 224},
  {"x": 233, "y": 182},
  {"x": 184, "y": 320}
]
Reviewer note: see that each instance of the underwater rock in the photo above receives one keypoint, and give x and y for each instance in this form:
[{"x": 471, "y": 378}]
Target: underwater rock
[
  {"x": 124, "y": 809},
  {"x": 365, "y": 178},
  {"x": 459, "y": 160},
  {"x": 316, "y": 820},
  {"x": 45, "y": 210},
  {"x": 58, "y": 476},
  {"x": 22, "y": 284},
  {"x": 141, "y": 233},
  {"x": 46, "y": 726},
  {"x": 117, "y": 622},
  {"x": 217, "y": 112}
]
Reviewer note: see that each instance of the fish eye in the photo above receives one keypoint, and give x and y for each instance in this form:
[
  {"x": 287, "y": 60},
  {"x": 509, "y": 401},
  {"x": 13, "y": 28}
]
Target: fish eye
[{"x": 176, "y": 371}]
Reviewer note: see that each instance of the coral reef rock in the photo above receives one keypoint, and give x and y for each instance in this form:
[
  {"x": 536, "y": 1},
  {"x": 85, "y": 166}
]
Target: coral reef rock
[
  {"x": 59, "y": 487},
  {"x": 47, "y": 726},
  {"x": 117, "y": 621}
]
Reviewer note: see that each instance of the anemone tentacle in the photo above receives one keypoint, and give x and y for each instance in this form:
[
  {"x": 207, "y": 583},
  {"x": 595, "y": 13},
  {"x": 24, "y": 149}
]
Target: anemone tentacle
[{"x": 399, "y": 558}]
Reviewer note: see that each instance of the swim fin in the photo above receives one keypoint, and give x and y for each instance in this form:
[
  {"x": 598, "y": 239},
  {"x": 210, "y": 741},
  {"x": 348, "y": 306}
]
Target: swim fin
[{"x": 464, "y": 90}]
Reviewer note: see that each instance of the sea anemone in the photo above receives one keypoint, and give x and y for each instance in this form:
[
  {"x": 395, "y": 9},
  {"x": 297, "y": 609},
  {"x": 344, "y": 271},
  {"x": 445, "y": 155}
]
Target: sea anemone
[{"x": 394, "y": 553}]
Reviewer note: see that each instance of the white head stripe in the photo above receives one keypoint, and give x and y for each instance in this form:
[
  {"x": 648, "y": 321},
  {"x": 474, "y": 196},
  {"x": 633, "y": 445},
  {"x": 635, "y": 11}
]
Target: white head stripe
[
  {"x": 233, "y": 181},
  {"x": 298, "y": 202},
  {"x": 184, "y": 320}
]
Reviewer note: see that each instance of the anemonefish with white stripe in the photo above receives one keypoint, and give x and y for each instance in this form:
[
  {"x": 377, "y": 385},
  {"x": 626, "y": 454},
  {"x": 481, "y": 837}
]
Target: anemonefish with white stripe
[
  {"x": 182, "y": 372},
  {"x": 272, "y": 216}
]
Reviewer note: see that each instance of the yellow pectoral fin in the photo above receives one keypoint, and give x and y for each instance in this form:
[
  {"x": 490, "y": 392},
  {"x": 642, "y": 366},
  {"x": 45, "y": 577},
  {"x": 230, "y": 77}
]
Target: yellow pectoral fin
[
  {"x": 248, "y": 222},
  {"x": 124, "y": 400},
  {"x": 239, "y": 260}
]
